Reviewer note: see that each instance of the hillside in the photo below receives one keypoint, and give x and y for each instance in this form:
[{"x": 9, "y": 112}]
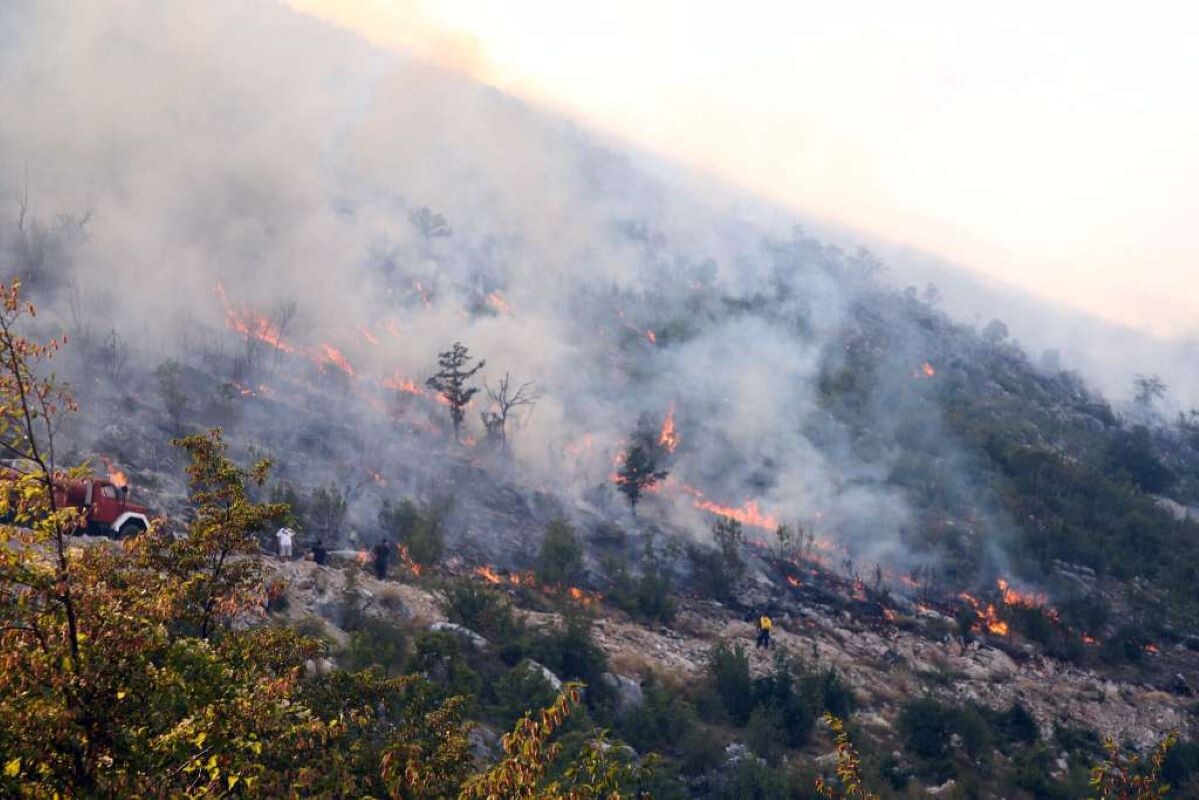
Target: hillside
[{"x": 677, "y": 410}]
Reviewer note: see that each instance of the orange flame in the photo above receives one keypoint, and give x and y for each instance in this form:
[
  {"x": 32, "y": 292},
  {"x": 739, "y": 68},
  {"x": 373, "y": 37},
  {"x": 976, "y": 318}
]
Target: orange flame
[
  {"x": 652, "y": 337},
  {"x": 335, "y": 357},
  {"x": 497, "y": 302},
  {"x": 363, "y": 558},
  {"x": 1152, "y": 648},
  {"x": 794, "y": 581},
  {"x": 1013, "y": 597},
  {"x": 747, "y": 514},
  {"x": 1087, "y": 639},
  {"x": 669, "y": 437},
  {"x": 488, "y": 574},
  {"x": 116, "y": 475},
  {"x": 402, "y": 384},
  {"x": 407, "y": 560},
  {"x": 988, "y": 616},
  {"x": 252, "y": 325},
  {"x": 366, "y": 334}
]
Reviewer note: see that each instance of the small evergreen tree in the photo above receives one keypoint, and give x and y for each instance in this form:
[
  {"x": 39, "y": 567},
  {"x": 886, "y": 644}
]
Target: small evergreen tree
[
  {"x": 638, "y": 471},
  {"x": 451, "y": 382}
]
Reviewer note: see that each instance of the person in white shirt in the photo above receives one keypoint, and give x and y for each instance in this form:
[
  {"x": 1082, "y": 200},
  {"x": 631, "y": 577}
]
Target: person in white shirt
[{"x": 284, "y": 536}]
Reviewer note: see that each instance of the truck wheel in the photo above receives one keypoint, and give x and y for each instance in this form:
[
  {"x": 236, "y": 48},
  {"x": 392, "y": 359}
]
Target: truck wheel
[{"x": 131, "y": 528}]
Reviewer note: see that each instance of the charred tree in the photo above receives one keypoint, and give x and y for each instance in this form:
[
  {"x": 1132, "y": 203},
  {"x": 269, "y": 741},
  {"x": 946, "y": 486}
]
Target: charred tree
[
  {"x": 506, "y": 400},
  {"x": 451, "y": 382}
]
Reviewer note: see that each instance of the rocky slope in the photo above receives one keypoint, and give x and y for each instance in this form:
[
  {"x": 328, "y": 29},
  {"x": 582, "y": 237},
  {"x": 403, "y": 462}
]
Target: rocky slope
[{"x": 885, "y": 665}]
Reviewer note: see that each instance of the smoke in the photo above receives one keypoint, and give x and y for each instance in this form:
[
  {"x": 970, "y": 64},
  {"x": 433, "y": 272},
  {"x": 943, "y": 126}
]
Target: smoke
[{"x": 398, "y": 208}]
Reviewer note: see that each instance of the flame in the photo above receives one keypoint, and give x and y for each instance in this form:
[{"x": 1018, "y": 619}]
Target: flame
[
  {"x": 335, "y": 357},
  {"x": 1011, "y": 597},
  {"x": 402, "y": 384},
  {"x": 488, "y": 574},
  {"x": 363, "y": 557},
  {"x": 747, "y": 514},
  {"x": 925, "y": 372},
  {"x": 889, "y": 615},
  {"x": 424, "y": 296},
  {"x": 116, "y": 475},
  {"x": 1152, "y": 648},
  {"x": 794, "y": 581},
  {"x": 988, "y": 616},
  {"x": 669, "y": 437},
  {"x": 652, "y": 337},
  {"x": 583, "y": 596},
  {"x": 1087, "y": 639},
  {"x": 377, "y": 478},
  {"x": 406, "y": 559},
  {"x": 252, "y": 325},
  {"x": 366, "y": 334},
  {"x": 497, "y": 302}
]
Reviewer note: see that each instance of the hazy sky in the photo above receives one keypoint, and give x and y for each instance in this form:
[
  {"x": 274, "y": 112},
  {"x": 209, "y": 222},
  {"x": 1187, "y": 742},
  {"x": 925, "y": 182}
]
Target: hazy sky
[{"x": 1054, "y": 147}]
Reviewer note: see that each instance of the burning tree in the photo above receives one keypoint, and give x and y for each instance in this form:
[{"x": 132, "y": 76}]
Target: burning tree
[
  {"x": 450, "y": 382},
  {"x": 505, "y": 400}
]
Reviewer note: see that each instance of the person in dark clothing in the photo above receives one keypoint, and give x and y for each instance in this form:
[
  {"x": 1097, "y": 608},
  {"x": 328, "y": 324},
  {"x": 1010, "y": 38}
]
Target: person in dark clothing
[
  {"x": 319, "y": 554},
  {"x": 382, "y": 553}
]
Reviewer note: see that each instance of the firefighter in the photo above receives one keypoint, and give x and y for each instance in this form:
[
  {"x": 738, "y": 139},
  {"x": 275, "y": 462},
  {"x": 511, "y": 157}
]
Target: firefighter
[
  {"x": 319, "y": 554},
  {"x": 764, "y": 626},
  {"x": 382, "y": 553}
]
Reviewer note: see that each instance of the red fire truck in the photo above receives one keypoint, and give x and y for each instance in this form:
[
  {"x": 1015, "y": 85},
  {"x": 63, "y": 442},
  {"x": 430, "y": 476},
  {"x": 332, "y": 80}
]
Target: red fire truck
[
  {"x": 109, "y": 511},
  {"x": 105, "y": 501}
]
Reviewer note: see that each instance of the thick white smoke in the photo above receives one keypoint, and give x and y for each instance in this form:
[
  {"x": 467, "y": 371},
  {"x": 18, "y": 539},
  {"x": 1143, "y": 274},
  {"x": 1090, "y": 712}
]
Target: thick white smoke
[{"x": 243, "y": 146}]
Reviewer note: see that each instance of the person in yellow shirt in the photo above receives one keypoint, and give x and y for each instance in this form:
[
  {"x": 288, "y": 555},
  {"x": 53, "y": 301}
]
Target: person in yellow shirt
[{"x": 764, "y": 626}]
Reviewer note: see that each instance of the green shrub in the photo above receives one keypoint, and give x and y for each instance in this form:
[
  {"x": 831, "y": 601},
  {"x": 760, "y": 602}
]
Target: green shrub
[
  {"x": 482, "y": 609},
  {"x": 376, "y": 643},
  {"x": 661, "y": 722},
  {"x": 573, "y": 655},
  {"x": 560, "y": 559},
  {"x": 521, "y": 689},
  {"x": 936, "y": 734},
  {"x": 765, "y": 732},
  {"x": 728, "y": 668},
  {"x": 420, "y": 529},
  {"x": 438, "y": 655},
  {"x": 718, "y": 572}
]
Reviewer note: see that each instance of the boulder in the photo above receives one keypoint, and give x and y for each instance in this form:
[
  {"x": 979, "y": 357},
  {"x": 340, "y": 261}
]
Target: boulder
[
  {"x": 462, "y": 632},
  {"x": 627, "y": 691}
]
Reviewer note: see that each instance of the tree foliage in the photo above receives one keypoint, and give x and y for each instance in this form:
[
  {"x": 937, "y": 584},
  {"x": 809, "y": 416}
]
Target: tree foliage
[
  {"x": 451, "y": 382},
  {"x": 638, "y": 471},
  {"x": 560, "y": 558}
]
